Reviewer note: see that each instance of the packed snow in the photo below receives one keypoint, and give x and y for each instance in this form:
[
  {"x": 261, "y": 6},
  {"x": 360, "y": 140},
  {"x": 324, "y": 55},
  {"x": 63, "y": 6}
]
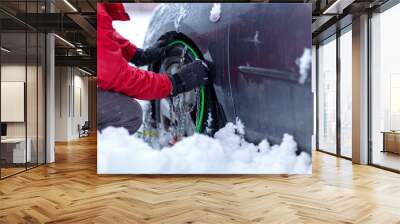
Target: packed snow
[
  {"x": 226, "y": 153},
  {"x": 215, "y": 12},
  {"x": 304, "y": 63}
]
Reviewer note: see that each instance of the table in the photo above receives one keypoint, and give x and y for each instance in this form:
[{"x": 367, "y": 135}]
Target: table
[
  {"x": 391, "y": 141},
  {"x": 17, "y": 151}
]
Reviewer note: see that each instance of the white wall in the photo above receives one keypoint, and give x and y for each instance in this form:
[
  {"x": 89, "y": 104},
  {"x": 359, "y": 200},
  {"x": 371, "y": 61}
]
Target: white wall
[
  {"x": 12, "y": 101},
  {"x": 80, "y": 103},
  {"x": 61, "y": 103},
  {"x": 70, "y": 84},
  {"x": 17, "y": 72},
  {"x": 12, "y": 73},
  {"x": 33, "y": 126}
]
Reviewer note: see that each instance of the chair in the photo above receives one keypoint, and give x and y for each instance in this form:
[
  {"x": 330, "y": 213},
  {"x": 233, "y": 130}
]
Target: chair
[{"x": 84, "y": 130}]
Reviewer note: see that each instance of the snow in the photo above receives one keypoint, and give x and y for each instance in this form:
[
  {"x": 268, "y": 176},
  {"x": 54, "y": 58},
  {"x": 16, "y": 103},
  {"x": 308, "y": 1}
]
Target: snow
[
  {"x": 304, "y": 63},
  {"x": 226, "y": 153},
  {"x": 209, "y": 123},
  {"x": 256, "y": 38},
  {"x": 181, "y": 14},
  {"x": 215, "y": 12},
  {"x": 145, "y": 105},
  {"x": 156, "y": 24}
]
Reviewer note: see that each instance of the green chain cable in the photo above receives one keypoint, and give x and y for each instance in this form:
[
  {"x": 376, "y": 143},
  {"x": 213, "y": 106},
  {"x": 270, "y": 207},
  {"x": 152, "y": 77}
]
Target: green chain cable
[{"x": 195, "y": 55}]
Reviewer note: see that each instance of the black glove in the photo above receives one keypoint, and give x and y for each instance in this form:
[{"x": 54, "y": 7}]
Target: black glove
[
  {"x": 148, "y": 56},
  {"x": 190, "y": 76},
  {"x": 151, "y": 54}
]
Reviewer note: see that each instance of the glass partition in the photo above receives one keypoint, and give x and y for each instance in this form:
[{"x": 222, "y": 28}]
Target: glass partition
[
  {"x": 327, "y": 95},
  {"x": 14, "y": 153},
  {"x": 41, "y": 109},
  {"x": 22, "y": 77},
  {"x": 32, "y": 96}
]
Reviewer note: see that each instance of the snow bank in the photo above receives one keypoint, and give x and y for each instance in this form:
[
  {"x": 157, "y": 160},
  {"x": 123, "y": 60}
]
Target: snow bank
[
  {"x": 304, "y": 63},
  {"x": 226, "y": 153}
]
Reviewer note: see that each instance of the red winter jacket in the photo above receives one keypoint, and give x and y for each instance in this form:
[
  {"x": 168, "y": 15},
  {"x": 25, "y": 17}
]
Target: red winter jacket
[{"x": 113, "y": 54}]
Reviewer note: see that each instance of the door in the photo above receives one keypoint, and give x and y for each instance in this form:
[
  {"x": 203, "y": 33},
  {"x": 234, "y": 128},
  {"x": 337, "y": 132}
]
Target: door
[{"x": 272, "y": 96}]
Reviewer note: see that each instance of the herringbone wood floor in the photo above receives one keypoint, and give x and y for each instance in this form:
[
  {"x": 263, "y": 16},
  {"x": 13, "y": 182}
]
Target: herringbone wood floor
[{"x": 70, "y": 191}]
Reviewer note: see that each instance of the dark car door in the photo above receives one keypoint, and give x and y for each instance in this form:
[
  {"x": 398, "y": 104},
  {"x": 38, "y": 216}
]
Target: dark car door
[{"x": 265, "y": 42}]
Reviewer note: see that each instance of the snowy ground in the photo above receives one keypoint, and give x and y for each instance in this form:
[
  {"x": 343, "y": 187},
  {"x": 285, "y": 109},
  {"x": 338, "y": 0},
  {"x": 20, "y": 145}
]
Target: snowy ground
[{"x": 227, "y": 153}]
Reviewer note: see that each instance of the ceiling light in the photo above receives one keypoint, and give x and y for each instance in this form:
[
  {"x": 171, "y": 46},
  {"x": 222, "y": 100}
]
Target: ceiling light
[
  {"x": 79, "y": 51},
  {"x": 337, "y": 7},
  {"x": 84, "y": 71},
  {"x": 329, "y": 9},
  {"x": 65, "y": 41},
  {"x": 5, "y": 50},
  {"x": 70, "y": 5}
]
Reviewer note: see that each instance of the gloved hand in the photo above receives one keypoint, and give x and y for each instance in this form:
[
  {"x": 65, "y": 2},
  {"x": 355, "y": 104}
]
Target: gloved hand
[
  {"x": 190, "y": 76},
  {"x": 151, "y": 54},
  {"x": 148, "y": 56}
]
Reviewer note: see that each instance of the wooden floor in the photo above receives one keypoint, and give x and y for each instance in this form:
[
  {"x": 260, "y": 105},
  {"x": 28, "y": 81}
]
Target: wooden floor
[
  {"x": 10, "y": 171},
  {"x": 70, "y": 191},
  {"x": 387, "y": 159}
]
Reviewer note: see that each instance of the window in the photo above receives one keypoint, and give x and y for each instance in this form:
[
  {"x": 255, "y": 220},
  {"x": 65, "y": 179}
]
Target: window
[
  {"x": 385, "y": 89},
  {"x": 346, "y": 92},
  {"x": 327, "y": 96}
]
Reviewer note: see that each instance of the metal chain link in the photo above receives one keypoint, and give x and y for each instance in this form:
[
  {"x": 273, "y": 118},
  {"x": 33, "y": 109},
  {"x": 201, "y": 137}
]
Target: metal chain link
[{"x": 179, "y": 112}]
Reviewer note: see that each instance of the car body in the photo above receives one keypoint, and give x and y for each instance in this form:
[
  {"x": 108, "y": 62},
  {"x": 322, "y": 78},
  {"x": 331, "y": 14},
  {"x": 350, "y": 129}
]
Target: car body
[{"x": 255, "y": 52}]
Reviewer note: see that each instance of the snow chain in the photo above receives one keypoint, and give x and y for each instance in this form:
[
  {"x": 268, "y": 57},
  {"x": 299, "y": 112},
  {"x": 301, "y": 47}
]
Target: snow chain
[{"x": 199, "y": 102}]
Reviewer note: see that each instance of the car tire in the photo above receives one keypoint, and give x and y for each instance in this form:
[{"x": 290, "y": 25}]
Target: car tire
[{"x": 212, "y": 117}]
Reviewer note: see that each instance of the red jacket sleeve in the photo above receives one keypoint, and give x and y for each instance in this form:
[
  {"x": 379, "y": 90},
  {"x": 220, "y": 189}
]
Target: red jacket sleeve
[
  {"x": 113, "y": 71},
  {"x": 128, "y": 50}
]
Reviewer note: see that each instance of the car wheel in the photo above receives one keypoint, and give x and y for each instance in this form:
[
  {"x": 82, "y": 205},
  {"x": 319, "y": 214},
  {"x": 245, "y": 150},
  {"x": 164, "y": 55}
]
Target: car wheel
[{"x": 192, "y": 112}]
